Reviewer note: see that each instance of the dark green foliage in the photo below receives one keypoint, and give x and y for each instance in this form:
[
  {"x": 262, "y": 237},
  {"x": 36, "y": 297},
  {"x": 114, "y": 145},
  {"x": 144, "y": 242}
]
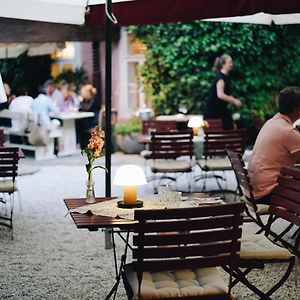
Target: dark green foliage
[
  {"x": 178, "y": 69},
  {"x": 31, "y": 71}
]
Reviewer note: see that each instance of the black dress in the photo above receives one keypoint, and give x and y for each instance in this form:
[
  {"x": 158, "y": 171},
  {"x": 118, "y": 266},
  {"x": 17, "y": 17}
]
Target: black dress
[{"x": 217, "y": 108}]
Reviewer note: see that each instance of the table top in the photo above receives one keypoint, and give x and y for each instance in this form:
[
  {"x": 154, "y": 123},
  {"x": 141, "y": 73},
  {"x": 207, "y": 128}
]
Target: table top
[
  {"x": 94, "y": 222},
  {"x": 75, "y": 115}
]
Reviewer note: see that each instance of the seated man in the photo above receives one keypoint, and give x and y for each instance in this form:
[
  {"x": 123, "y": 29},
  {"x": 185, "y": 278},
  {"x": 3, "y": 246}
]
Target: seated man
[{"x": 277, "y": 145}]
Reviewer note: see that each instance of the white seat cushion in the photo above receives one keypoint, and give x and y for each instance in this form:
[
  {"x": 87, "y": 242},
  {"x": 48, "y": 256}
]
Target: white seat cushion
[
  {"x": 7, "y": 186},
  {"x": 215, "y": 164},
  {"x": 170, "y": 165},
  {"x": 180, "y": 283},
  {"x": 257, "y": 246}
]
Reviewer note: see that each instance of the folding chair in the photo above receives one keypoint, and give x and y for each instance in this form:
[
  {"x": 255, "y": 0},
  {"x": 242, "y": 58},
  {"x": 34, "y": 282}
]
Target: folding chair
[
  {"x": 213, "y": 125},
  {"x": 215, "y": 158},
  {"x": 176, "y": 252},
  {"x": 154, "y": 125},
  {"x": 172, "y": 152},
  {"x": 158, "y": 125},
  {"x": 258, "y": 250},
  {"x": 253, "y": 210},
  {"x": 8, "y": 172}
]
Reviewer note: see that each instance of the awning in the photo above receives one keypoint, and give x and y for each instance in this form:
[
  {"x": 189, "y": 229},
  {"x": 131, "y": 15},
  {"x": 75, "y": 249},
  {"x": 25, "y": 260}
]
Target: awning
[{"x": 164, "y": 11}]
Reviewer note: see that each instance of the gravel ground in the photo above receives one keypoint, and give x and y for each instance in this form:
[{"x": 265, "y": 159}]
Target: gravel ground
[{"x": 51, "y": 259}]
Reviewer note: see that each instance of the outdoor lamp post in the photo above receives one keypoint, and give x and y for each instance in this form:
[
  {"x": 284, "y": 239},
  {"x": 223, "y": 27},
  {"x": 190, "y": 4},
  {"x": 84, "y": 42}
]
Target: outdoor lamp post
[
  {"x": 196, "y": 122},
  {"x": 130, "y": 176}
]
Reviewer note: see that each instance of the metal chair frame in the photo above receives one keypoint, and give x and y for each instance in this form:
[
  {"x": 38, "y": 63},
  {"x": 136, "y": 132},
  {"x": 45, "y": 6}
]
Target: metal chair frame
[{"x": 285, "y": 205}]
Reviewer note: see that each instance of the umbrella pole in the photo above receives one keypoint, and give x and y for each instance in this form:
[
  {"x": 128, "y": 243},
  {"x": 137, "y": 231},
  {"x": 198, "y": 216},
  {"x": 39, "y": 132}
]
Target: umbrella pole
[{"x": 108, "y": 143}]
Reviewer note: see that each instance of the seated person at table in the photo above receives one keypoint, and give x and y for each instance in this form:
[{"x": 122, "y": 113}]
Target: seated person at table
[
  {"x": 21, "y": 104},
  {"x": 71, "y": 102},
  {"x": 88, "y": 103},
  {"x": 277, "y": 146},
  {"x": 44, "y": 105},
  {"x": 54, "y": 93}
]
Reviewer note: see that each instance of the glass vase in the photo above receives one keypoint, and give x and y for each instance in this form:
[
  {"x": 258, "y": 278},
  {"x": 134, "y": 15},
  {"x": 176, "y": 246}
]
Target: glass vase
[{"x": 90, "y": 193}]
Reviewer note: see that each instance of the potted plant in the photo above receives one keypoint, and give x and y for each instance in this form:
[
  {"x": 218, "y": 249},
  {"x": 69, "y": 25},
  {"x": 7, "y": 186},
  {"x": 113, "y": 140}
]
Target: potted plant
[{"x": 126, "y": 135}]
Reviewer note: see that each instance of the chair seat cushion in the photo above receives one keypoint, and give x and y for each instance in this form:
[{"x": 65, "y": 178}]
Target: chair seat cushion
[
  {"x": 257, "y": 246},
  {"x": 146, "y": 154},
  {"x": 180, "y": 283},
  {"x": 262, "y": 209},
  {"x": 7, "y": 186},
  {"x": 215, "y": 164},
  {"x": 170, "y": 165}
]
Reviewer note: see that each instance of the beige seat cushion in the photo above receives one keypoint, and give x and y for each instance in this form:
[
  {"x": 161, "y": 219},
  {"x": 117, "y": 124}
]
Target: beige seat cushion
[
  {"x": 262, "y": 209},
  {"x": 181, "y": 283},
  {"x": 257, "y": 246},
  {"x": 7, "y": 186},
  {"x": 170, "y": 165},
  {"x": 215, "y": 164}
]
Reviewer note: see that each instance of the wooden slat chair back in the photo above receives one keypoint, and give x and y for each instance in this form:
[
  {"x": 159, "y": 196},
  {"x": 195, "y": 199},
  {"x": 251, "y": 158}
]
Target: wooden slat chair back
[
  {"x": 8, "y": 172},
  {"x": 159, "y": 125},
  {"x": 172, "y": 152},
  {"x": 277, "y": 245},
  {"x": 216, "y": 141},
  {"x": 285, "y": 204},
  {"x": 253, "y": 210},
  {"x": 172, "y": 243},
  {"x": 2, "y": 139},
  {"x": 214, "y": 155},
  {"x": 214, "y": 124},
  {"x": 155, "y": 125}
]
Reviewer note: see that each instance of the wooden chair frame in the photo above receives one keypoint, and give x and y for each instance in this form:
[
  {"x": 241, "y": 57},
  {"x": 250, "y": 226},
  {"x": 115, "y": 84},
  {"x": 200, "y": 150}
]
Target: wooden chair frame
[
  {"x": 213, "y": 125},
  {"x": 9, "y": 158},
  {"x": 215, "y": 142},
  {"x": 245, "y": 189},
  {"x": 285, "y": 205},
  {"x": 186, "y": 238},
  {"x": 172, "y": 146}
]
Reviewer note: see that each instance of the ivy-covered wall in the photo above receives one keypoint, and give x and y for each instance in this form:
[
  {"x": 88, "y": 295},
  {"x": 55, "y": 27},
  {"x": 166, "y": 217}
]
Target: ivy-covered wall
[{"x": 179, "y": 59}]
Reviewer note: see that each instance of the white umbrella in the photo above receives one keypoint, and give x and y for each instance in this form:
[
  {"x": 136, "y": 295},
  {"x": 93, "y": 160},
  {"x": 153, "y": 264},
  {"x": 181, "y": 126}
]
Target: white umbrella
[
  {"x": 55, "y": 11},
  {"x": 261, "y": 18}
]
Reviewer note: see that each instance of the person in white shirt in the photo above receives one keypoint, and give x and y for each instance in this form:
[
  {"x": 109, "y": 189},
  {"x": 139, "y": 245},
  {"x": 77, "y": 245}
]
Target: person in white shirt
[{"x": 21, "y": 104}]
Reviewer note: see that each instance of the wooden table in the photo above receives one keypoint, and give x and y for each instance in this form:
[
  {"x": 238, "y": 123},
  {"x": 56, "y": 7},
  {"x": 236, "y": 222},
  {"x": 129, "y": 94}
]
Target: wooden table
[{"x": 93, "y": 222}]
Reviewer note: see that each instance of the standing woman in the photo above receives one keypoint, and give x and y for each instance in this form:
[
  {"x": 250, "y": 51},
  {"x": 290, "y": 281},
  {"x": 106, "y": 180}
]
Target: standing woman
[
  {"x": 88, "y": 103},
  {"x": 220, "y": 93}
]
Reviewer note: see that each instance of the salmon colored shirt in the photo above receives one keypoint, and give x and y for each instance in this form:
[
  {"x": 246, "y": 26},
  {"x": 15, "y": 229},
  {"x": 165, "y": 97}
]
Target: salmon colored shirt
[{"x": 275, "y": 145}]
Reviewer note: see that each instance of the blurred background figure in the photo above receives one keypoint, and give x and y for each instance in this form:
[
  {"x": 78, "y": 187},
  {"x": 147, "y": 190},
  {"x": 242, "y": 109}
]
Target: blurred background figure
[
  {"x": 8, "y": 92},
  {"x": 21, "y": 104},
  {"x": 88, "y": 103},
  {"x": 44, "y": 106},
  {"x": 71, "y": 102},
  {"x": 220, "y": 93},
  {"x": 54, "y": 93}
]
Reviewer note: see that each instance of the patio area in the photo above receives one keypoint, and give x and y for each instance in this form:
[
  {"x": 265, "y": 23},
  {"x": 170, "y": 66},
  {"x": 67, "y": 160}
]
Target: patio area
[{"x": 51, "y": 259}]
